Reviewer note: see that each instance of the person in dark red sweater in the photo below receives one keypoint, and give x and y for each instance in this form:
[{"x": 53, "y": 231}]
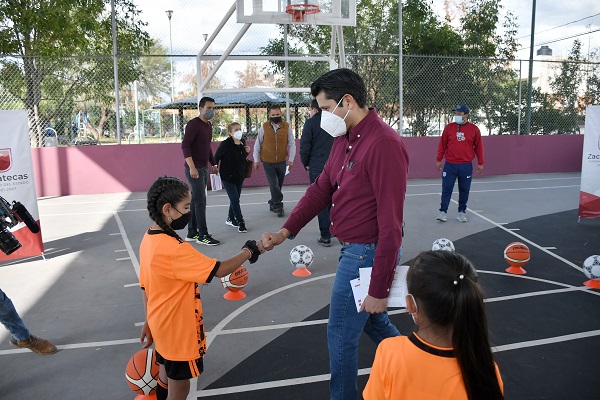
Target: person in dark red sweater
[
  {"x": 364, "y": 181},
  {"x": 459, "y": 144},
  {"x": 198, "y": 153}
]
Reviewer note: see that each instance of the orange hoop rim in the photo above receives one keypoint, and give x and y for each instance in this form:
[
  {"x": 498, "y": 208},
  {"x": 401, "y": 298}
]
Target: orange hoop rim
[{"x": 297, "y": 11}]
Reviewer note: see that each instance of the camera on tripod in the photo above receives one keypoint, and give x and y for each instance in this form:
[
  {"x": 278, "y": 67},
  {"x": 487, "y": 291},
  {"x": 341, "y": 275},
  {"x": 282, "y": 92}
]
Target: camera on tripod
[{"x": 11, "y": 215}]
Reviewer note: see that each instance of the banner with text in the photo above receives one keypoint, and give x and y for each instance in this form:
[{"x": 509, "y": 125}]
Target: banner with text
[
  {"x": 20, "y": 235},
  {"x": 589, "y": 197}
]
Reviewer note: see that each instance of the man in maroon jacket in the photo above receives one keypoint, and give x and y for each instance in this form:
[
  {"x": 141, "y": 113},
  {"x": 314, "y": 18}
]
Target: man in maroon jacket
[
  {"x": 364, "y": 180},
  {"x": 459, "y": 144}
]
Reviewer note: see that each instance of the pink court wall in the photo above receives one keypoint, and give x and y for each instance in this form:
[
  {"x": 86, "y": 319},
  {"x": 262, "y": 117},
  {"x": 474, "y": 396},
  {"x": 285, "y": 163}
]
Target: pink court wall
[{"x": 61, "y": 171}]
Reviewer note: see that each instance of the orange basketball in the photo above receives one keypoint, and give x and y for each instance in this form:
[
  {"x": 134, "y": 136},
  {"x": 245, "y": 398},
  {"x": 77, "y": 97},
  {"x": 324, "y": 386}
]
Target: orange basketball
[
  {"x": 142, "y": 372},
  {"x": 516, "y": 253},
  {"x": 236, "y": 280}
]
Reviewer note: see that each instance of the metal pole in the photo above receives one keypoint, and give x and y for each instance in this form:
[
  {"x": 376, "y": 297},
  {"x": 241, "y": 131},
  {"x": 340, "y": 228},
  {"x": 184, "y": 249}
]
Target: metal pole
[
  {"x": 170, "y": 14},
  {"x": 116, "y": 68},
  {"x": 529, "y": 80},
  {"x": 287, "y": 74},
  {"x": 137, "y": 114},
  {"x": 520, "y": 102},
  {"x": 400, "y": 54}
]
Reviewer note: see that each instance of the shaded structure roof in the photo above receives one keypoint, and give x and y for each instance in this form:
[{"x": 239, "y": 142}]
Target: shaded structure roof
[{"x": 230, "y": 100}]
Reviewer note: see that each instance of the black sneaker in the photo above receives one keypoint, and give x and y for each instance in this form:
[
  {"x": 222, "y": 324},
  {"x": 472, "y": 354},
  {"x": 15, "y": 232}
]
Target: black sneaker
[
  {"x": 324, "y": 242},
  {"x": 232, "y": 222},
  {"x": 208, "y": 241},
  {"x": 193, "y": 238},
  {"x": 280, "y": 213},
  {"x": 242, "y": 227}
]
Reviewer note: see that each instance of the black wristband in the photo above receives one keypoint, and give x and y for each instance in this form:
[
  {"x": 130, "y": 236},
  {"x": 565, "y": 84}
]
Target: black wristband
[{"x": 251, "y": 245}]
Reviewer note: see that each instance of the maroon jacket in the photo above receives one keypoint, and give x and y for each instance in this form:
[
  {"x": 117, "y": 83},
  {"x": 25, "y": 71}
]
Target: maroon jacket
[{"x": 196, "y": 143}]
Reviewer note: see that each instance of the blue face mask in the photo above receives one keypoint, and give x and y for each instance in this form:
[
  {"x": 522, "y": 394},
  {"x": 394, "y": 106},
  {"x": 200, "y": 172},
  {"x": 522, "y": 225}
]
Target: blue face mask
[{"x": 458, "y": 119}]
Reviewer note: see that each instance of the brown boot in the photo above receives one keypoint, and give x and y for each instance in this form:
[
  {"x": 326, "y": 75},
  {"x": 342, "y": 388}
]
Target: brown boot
[{"x": 35, "y": 344}]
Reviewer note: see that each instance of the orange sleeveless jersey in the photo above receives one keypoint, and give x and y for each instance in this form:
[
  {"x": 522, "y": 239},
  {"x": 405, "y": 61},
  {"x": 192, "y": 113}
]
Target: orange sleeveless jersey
[
  {"x": 169, "y": 273},
  {"x": 402, "y": 370}
]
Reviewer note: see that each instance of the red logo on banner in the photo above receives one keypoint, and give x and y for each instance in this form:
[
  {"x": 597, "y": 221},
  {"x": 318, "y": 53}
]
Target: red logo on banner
[{"x": 5, "y": 160}]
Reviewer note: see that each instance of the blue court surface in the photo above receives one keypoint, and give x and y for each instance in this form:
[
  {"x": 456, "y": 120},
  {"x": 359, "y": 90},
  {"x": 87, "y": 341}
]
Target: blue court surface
[{"x": 545, "y": 325}]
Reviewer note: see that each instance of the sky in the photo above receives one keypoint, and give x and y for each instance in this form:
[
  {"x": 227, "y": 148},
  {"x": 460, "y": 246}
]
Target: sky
[{"x": 192, "y": 18}]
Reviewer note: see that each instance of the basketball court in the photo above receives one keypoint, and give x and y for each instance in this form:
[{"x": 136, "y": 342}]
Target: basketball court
[{"x": 272, "y": 344}]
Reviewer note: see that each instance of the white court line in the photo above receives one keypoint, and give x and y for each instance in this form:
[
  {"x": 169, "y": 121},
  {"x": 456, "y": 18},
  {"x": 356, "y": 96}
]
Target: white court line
[
  {"x": 524, "y": 239},
  {"x": 366, "y": 371},
  {"x": 78, "y": 346},
  {"x": 137, "y": 284},
  {"x": 134, "y": 260},
  {"x": 123, "y": 259},
  {"x": 120, "y": 250}
]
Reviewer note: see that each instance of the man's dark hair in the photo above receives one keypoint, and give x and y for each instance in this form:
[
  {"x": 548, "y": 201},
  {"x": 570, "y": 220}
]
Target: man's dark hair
[
  {"x": 339, "y": 82},
  {"x": 273, "y": 107},
  {"x": 315, "y": 105},
  {"x": 204, "y": 100}
]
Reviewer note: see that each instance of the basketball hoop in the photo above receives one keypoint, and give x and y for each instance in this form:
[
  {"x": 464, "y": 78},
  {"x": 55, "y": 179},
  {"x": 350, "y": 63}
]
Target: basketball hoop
[{"x": 298, "y": 11}]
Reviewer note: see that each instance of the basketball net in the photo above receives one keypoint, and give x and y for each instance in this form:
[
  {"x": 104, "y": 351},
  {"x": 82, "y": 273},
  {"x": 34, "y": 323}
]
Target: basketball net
[{"x": 299, "y": 12}]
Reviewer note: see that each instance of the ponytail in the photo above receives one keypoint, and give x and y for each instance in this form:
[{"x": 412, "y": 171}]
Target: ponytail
[
  {"x": 165, "y": 190},
  {"x": 445, "y": 284}
]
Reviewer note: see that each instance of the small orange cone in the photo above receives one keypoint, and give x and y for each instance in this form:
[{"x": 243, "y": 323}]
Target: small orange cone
[
  {"x": 592, "y": 283},
  {"x": 237, "y": 295},
  {"x": 515, "y": 270},
  {"x": 301, "y": 272},
  {"x": 151, "y": 396}
]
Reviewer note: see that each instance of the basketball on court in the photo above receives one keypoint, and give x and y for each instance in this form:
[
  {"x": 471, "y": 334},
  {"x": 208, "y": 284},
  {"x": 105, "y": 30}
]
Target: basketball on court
[
  {"x": 236, "y": 280},
  {"x": 517, "y": 253},
  {"x": 142, "y": 372}
]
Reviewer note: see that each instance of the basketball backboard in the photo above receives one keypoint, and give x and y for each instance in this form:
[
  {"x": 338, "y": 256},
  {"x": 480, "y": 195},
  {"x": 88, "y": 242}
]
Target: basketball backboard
[{"x": 331, "y": 12}]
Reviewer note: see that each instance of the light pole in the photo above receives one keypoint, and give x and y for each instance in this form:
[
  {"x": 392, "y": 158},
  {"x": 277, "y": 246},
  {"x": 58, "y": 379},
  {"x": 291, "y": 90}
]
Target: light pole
[{"x": 170, "y": 14}]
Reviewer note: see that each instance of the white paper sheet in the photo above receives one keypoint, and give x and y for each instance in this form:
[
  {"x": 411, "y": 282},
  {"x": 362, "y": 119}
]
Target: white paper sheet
[{"x": 398, "y": 291}]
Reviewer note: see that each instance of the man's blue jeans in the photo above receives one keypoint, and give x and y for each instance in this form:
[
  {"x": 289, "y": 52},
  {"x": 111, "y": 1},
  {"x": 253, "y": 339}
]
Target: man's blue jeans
[
  {"x": 197, "y": 225},
  {"x": 323, "y": 217},
  {"x": 234, "y": 190},
  {"x": 464, "y": 173},
  {"x": 10, "y": 318},
  {"x": 346, "y": 324}
]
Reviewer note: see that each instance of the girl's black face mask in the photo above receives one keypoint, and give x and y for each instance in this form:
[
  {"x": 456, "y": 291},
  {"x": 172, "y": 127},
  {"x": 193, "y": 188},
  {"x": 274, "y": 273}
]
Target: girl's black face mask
[{"x": 182, "y": 221}]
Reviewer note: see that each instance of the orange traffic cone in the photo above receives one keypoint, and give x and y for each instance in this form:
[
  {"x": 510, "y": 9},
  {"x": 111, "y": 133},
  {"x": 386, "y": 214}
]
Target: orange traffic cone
[
  {"x": 592, "y": 283},
  {"x": 237, "y": 295}
]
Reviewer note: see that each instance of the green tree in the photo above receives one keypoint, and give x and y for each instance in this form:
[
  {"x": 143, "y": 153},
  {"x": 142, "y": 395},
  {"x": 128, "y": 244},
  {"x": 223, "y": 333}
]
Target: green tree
[
  {"x": 566, "y": 88},
  {"x": 45, "y": 34}
]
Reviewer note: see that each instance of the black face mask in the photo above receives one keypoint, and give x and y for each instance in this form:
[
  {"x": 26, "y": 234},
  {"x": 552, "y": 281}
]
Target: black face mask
[
  {"x": 275, "y": 120},
  {"x": 182, "y": 221}
]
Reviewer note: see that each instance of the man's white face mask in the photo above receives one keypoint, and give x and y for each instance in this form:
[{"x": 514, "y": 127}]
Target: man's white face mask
[
  {"x": 334, "y": 124},
  {"x": 237, "y": 135}
]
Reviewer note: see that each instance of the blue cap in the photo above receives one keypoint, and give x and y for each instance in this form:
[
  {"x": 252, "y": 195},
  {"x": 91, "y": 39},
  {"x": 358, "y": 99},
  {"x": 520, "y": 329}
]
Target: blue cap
[{"x": 462, "y": 108}]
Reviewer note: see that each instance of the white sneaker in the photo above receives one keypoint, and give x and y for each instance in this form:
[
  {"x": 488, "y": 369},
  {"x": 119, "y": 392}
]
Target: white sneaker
[
  {"x": 462, "y": 217},
  {"x": 442, "y": 217}
]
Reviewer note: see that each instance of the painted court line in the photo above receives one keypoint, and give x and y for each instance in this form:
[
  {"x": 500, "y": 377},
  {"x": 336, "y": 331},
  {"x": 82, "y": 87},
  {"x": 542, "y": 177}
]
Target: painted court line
[{"x": 134, "y": 260}]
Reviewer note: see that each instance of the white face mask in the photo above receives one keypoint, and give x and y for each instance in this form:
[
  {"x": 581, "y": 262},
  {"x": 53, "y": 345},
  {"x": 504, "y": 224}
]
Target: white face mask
[
  {"x": 334, "y": 124},
  {"x": 458, "y": 119},
  {"x": 237, "y": 135}
]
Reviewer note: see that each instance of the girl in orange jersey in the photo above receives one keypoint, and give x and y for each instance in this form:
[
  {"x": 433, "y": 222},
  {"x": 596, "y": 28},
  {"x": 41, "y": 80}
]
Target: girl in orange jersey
[
  {"x": 449, "y": 357},
  {"x": 170, "y": 271}
]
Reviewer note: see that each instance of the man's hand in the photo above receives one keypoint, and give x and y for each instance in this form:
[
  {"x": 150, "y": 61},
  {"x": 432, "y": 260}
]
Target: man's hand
[
  {"x": 146, "y": 336},
  {"x": 260, "y": 246},
  {"x": 439, "y": 165},
  {"x": 255, "y": 165},
  {"x": 215, "y": 169},
  {"x": 194, "y": 173},
  {"x": 479, "y": 169},
  {"x": 373, "y": 305},
  {"x": 272, "y": 239},
  {"x": 247, "y": 148},
  {"x": 290, "y": 164}
]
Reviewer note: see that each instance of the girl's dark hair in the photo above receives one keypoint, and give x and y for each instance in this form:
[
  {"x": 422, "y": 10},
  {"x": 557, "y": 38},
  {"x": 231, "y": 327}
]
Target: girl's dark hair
[
  {"x": 165, "y": 190},
  {"x": 339, "y": 82},
  {"x": 459, "y": 306},
  {"x": 231, "y": 125}
]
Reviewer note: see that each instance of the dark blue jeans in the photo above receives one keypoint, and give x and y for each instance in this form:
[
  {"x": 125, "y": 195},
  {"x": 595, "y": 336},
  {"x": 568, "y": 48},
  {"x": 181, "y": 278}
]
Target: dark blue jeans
[
  {"x": 275, "y": 175},
  {"x": 197, "y": 223},
  {"x": 11, "y": 319},
  {"x": 346, "y": 325},
  {"x": 323, "y": 217},
  {"x": 464, "y": 173},
  {"x": 234, "y": 190}
]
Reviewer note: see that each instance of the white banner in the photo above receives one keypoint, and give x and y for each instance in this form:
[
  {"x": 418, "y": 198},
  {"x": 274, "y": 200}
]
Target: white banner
[{"x": 17, "y": 185}]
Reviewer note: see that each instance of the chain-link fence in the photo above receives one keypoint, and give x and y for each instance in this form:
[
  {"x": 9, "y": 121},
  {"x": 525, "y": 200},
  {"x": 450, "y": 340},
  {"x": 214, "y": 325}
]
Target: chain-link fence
[{"x": 71, "y": 101}]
